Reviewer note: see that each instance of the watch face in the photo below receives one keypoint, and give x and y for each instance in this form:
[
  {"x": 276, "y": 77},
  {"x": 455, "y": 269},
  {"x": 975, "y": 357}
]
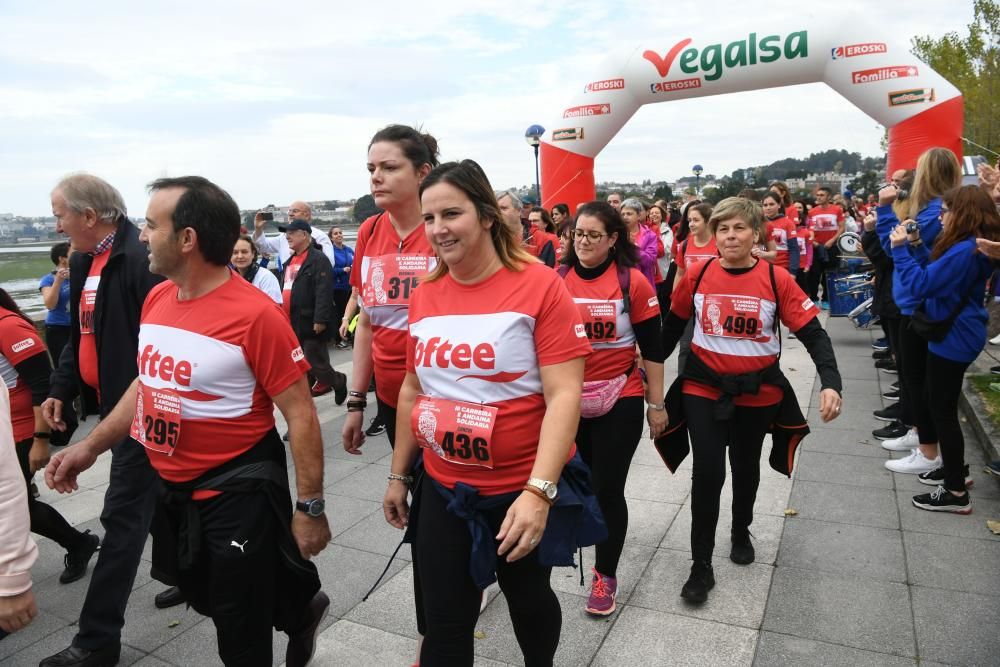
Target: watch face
[
  {"x": 317, "y": 507},
  {"x": 550, "y": 491}
]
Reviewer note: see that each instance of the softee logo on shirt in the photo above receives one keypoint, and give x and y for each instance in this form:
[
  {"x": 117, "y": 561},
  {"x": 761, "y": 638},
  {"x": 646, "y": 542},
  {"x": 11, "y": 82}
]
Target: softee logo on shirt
[
  {"x": 713, "y": 60},
  {"x": 165, "y": 367},
  {"x": 444, "y": 354}
]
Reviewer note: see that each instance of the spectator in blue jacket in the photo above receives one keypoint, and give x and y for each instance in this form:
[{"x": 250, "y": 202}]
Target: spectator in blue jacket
[
  {"x": 343, "y": 259},
  {"x": 938, "y": 171},
  {"x": 54, "y": 287},
  {"x": 953, "y": 280}
]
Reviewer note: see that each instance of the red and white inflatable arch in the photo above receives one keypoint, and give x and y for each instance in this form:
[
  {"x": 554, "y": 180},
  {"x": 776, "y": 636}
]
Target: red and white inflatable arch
[{"x": 881, "y": 77}]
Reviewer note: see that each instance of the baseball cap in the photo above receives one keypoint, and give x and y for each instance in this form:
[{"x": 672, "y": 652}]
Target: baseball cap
[{"x": 296, "y": 225}]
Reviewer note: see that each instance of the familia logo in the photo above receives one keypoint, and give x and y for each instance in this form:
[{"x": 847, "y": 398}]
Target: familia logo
[
  {"x": 606, "y": 84},
  {"x": 914, "y": 96},
  {"x": 852, "y": 50},
  {"x": 713, "y": 60},
  {"x": 883, "y": 73},
  {"x": 587, "y": 110}
]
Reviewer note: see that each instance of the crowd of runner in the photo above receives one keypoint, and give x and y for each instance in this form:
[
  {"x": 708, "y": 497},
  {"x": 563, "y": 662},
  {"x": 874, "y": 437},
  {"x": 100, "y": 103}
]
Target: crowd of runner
[{"x": 516, "y": 356}]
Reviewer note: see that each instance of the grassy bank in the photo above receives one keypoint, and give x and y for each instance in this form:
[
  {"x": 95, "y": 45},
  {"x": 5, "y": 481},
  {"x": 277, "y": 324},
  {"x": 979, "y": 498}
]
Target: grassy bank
[{"x": 990, "y": 398}]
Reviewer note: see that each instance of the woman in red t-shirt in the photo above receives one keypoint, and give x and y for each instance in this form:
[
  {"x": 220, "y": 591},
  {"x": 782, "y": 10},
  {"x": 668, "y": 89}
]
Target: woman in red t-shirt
[
  {"x": 782, "y": 233},
  {"x": 495, "y": 363},
  {"x": 736, "y": 302},
  {"x": 698, "y": 246},
  {"x": 25, "y": 369},
  {"x": 600, "y": 270}
]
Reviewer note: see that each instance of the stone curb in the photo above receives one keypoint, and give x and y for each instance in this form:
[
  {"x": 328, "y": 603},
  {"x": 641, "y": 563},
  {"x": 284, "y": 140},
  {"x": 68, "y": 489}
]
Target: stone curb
[{"x": 974, "y": 409}]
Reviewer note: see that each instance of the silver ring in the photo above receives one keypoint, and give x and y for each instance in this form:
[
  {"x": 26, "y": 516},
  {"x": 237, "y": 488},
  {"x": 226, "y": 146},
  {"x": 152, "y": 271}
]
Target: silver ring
[{"x": 532, "y": 541}]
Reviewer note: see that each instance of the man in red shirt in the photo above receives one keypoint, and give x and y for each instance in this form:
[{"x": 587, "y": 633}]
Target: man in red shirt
[
  {"x": 826, "y": 222},
  {"x": 215, "y": 356}
]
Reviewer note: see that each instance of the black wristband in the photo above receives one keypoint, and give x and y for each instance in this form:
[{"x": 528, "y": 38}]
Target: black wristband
[
  {"x": 39, "y": 435},
  {"x": 358, "y": 394}
]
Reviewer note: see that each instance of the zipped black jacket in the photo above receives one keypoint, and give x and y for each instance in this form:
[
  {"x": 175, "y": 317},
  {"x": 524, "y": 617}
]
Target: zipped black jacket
[{"x": 312, "y": 296}]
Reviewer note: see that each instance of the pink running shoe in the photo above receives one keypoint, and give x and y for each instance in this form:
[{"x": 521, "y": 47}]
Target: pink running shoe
[{"x": 602, "y": 595}]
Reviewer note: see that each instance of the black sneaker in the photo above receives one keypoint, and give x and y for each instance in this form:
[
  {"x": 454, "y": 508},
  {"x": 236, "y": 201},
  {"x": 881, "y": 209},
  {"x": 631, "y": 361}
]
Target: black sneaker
[
  {"x": 891, "y": 394},
  {"x": 889, "y": 414},
  {"x": 302, "y": 644},
  {"x": 943, "y": 500},
  {"x": 890, "y": 431},
  {"x": 936, "y": 477},
  {"x": 992, "y": 468},
  {"x": 701, "y": 581},
  {"x": 340, "y": 389},
  {"x": 894, "y": 386},
  {"x": 76, "y": 560},
  {"x": 995, "y": 370},
  {"x": 74, "y": 656},
  {"x": 742, "y": 552},
  {"x": 886, "y": 364},
  {"x": 377, "y": 427},
  {"x": 881, "y": 354},
  {"x": 880, "y": 344}
]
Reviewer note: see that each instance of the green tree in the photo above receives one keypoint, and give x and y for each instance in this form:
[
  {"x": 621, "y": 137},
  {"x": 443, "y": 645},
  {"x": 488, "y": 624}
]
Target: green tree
[
  {"x": 365, "y": 208},
  {"x": 866, "y": 183},
  {"x": 663, "y": 192},
  {"x": 972, "y": 63}
]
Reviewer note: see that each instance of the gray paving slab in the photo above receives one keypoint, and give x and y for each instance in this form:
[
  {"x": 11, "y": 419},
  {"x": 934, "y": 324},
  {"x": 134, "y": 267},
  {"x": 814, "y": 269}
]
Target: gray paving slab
[
  {"x": 152, "y": 661},
  {"x": 368, "y": 483},
  {"x": 957, "y": 628},
  {"x": 766, "y": 531},
  {"x": 838, "y": 548},
  {"x": 778, "y": 650},
  {"x": 862, "y": 613},
  {"x": 374, "y": 534},
  {"x": 44, "y": 625},
  {"x": 857, "y": 442},
  {"x": 648, "y": 521},
  {"x": 648, "y": 637},
  {"x": 390, "y": 608},
  {"x": 738, "y": 598},
  {"x": 57, "y": 641},
  {"x": 657, "y": 484},
  {"x": 347, "y": 574},
  {"x": 839, "y": 503},
  {"x": 843, "y": 469},
  {"x": 953, "y": 563},
  {"x": 349, "y": 643},
  {"x": 344, "y": 512}
]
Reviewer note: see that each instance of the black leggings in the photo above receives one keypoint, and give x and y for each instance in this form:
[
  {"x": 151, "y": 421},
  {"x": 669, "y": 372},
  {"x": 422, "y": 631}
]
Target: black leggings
[
  {"x": 893, "y": 326},
  {"x": 451, "y": 599},
  {"x": 744, "y": 434},
  {"x": 606, "y": 445},
  {"x": 913, "y": 375},
  {"x": 944, "y": 385},
  {"x": 45, "y": 520}
]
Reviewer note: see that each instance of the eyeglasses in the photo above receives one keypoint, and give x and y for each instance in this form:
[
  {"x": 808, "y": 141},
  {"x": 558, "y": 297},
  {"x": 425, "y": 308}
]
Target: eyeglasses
[{"x": 593, "y": 237}]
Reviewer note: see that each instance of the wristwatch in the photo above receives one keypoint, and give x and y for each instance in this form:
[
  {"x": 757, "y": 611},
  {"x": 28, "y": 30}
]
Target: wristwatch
[
  {"x": 548, "y": 489},
  {"x": 313, "y": 507}
]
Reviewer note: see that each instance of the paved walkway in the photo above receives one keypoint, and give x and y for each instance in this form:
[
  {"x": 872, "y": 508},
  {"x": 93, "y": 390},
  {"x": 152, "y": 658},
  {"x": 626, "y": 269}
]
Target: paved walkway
[{"x": 857, "y": 576}]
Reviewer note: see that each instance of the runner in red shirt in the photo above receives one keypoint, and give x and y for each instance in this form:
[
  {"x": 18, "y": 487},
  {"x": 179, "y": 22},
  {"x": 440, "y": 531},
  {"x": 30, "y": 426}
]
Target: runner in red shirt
[
  {"x": 25, "y": 370},
  {"x": 392, "y": 255},
  {"x": 541, "y": 234},
  {"x": 492, "y": 395},
  {"x": 736, "y": 302},
  {"x": 215, "y": 356},
  {"x": 600, "y": 272},
  {"x": 826, "y": 222},
  {"x": 699, "y": 246},
  {"x": 782, "y": 233}
]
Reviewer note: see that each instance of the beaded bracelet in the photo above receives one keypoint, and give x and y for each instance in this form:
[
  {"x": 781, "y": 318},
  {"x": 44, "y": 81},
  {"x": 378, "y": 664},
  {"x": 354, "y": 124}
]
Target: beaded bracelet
[{"x": 405, "y": 479}]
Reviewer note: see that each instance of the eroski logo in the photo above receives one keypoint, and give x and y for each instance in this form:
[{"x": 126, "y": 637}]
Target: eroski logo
[
  {"x": 853, "y": 50},
  {"x": 714, "y": 59},
  {"x": 165, "y": 367},
  {"x": 439, "y": 352}
]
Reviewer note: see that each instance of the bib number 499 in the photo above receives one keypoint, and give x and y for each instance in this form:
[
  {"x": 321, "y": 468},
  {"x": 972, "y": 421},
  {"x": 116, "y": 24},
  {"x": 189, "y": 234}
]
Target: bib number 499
[{"x": 737, "y": 324}]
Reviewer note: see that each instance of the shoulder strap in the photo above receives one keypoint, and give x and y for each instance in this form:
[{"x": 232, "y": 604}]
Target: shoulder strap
[
  {"x": 562, "y": 270},
  {"x": 625, "y": 284},
  {"x": 697, "y": 281},
  {"x": 774, "y": 288}
]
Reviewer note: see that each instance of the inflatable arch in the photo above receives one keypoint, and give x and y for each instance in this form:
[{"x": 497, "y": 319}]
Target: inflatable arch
[{"x": 879, "y": 76}]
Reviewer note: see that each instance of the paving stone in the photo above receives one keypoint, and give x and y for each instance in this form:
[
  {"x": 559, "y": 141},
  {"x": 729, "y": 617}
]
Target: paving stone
[
  {"x": 856, "y": 442},
  {"x": 649, "y": 521},
  {"x": 846, "y": 610},
  {"x": 374, "y": 534},
  {"x": 953, "y": 563},
  {"x": 367, "y": 483},
  {"x": 347, "y": 574},
  {"x": 957, "y": 628},
  {"x": 151, "y": 661},
  {"x": 766, "y": 530},
  {"x": 80, "y": 506},
  {"x": 56, "y": 642},
  {"x": 41, "y": 627},
  {"x": 390, "y": 607},
  {"x": 349, "y": 643},
  {"x": 842, "y": 469},
  {"x": 738, "y": 598},
  {"x": 344, "y": 512},
  {"x": 648, "y": 637},
  {"x": 631, "y": 566},
  {"x": 781, "y": 650},
  {"x": 838, "y": 503},
  {"x": 875, "y": 553},
  {"x": 945, "y": 523},
  {"x": 148, "y": 628},
  {"x": 657, "y": 484}
]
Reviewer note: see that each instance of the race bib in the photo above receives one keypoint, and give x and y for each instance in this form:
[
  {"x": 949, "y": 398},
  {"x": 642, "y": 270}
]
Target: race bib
[
  {"x": 824, "y": 223},
  {"x": 600, "y": 320},
  {"x": 456, "y": 431},
  {"x": 157, "y": 423},
  {"x": 87, "y": 300},
  {"x": 391, "y": 279},
  {"x": 291, "y": 272},
  {"x": 732, "y": 317},
  {"x": 691, "y": 260}
]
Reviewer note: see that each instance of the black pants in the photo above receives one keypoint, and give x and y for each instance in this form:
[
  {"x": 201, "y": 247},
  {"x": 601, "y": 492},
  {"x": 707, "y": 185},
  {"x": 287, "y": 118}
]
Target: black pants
[
  {"x": 802, "y": 280},
  {"x": 340, "y": 299},
  {"x": 744, "y": 434},
  {"x": 127, "y": 513},
  {"x": 944, "y": 385},
  {"x": 606, "y": 445},
  {"x": 913, "y": 375},
  {"x": 387, "y": 414},
  {"x": 317, "y": 353},
  {"x": 451, "y": 599},
  {"x": 893, "y": 327},
  {"x": 45, "y": 520},
  {"x": 56, "y": 338}
]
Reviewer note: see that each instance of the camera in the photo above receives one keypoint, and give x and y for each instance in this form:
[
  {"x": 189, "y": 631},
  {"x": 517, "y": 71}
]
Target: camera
[
  {"x": 267, "y": 216},
  {"x": 901, "y": 192},
  {"x": 912, "y": 228}
]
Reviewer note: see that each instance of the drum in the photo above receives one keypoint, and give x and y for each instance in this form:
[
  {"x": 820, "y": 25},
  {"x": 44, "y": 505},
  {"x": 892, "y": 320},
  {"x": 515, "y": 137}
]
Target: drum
[
  {"x": 849, "y": 243},
  {"x": 862, "y": 315}
]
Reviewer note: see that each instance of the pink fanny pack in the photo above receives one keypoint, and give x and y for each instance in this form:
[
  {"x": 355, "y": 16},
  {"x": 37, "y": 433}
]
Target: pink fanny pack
[{"x": 599, "y": 395}]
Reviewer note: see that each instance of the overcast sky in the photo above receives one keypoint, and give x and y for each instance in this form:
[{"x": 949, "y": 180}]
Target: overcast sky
[{"x": 277, "y": 101}]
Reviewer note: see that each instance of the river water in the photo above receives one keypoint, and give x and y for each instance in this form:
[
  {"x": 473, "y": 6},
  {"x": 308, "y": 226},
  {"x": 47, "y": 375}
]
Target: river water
[{"x": 22, "y": 267}]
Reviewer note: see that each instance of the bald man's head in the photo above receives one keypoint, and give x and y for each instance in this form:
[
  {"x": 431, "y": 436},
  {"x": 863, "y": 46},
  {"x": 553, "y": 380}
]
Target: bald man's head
[{"x": 299, "y": 210}]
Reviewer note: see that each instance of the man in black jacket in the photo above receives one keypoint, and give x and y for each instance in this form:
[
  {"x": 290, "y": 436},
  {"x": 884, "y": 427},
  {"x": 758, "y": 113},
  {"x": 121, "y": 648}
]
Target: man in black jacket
[
  {"x": 307, "y": 292},
  {"x": 109, "y": 281}
]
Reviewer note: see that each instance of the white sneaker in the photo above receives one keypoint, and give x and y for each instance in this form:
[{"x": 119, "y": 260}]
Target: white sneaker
[
  {"x": 485, "y": 599},
  {"x": 995, "y": 340},
  {"x": 903, "y": 443},
  {"x": 914, "y": 464}
]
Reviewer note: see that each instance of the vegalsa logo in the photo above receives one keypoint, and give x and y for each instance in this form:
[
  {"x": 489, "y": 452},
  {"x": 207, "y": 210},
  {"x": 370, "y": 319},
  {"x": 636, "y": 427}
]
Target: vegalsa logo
[
  {"x": 437, "y": 352},
  {"x": 915, "y": 96},
  {"x": 713, "y": 60},
  {"x": 883, "y": 73},
  {"x": 587, "y": 110},
  {"x": 853, "y": 50},
  {"x": 606, "y": 84}
]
